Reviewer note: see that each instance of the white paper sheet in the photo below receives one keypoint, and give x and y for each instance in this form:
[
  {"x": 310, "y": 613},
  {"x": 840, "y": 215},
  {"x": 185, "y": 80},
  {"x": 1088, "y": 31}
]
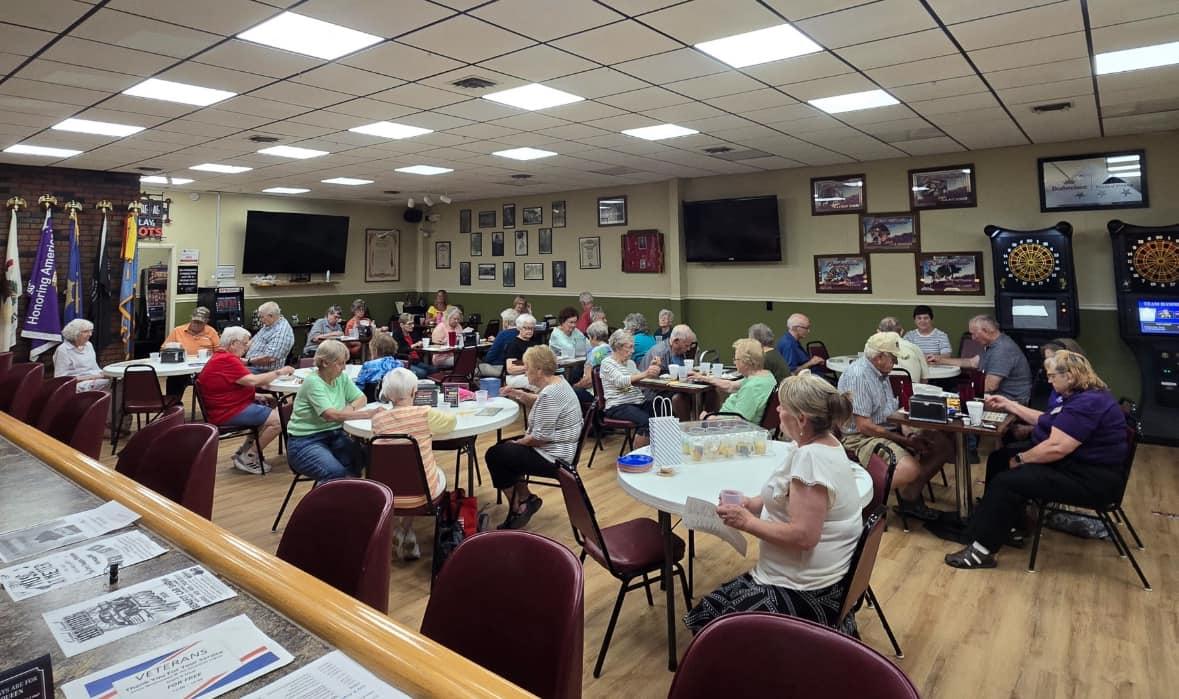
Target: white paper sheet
[
  {"x": 96, "y": 622},
  {"x": 31, "y": 578},
  {"x": 64, "y": 531},
  {"x": 700, "y": 515},
  {"x": 334, "y": 676}
]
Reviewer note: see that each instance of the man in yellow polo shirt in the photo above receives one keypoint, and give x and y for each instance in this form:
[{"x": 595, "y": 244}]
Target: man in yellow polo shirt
[{"x": 192, "y": 336}]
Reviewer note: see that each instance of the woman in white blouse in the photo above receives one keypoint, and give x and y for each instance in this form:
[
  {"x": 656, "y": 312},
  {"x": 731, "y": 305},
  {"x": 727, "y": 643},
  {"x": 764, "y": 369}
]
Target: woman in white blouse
[
  {"x": 75, "y": 357},
  {"x": 624, "y": 400},
  {"x": 807, "y": 517}
]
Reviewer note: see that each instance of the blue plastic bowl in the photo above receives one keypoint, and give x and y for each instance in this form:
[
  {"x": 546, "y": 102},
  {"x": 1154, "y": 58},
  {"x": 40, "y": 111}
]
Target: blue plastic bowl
[{"x": 635, "y": 462}]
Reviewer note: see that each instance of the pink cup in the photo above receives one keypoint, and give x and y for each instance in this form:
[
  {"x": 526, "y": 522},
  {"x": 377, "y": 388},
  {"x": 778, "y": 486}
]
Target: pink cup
[{"x": 731, "y": 497}]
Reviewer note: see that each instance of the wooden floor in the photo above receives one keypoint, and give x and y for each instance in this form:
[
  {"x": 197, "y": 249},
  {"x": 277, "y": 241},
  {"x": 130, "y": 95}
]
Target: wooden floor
[{"x": 1080, "y": 627}]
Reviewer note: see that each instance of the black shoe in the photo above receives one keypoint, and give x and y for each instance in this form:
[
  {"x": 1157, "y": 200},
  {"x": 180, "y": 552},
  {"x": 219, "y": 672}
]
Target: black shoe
[
  {"x": 517, "y": 520},
  {"x": 917, "y": 510},
  {"x": 970, "y": 558},
  {"x": 1016, "y": 538}
]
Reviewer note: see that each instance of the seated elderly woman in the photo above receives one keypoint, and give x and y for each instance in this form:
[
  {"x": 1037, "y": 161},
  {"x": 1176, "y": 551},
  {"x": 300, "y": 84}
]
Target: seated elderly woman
[
  {"x": 318, "y": 448},
  {"x": 526, "y": 337},
  {"x": 401, "y": 327},
  {"x": 421, "y": 422},
  {"x": 383, "y": 349},
  {"x": 75, "y": 357},
  {"x": 493, "y": 361},
  {"x": 452, "y": 322},
  {"x": 666, "y": 323},
  {"x": 748, "y": 395},
  {"x": 636, "y": 325},
  {"x": 624, "y": 400},
  {"x": 326, "y": 328},
  {"x": 566, "y": 340},
  {"x": 358, "y": 325},
  {"x": 807, "y": 517},
  {"x": 227, "y": 394},
  {"x": 597, "y": 334},
  {"x": 554, "y": 428},
  {"x": 1075, "y": 455}
]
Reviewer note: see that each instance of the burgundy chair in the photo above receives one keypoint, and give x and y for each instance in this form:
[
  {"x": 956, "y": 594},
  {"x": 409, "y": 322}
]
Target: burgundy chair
[
  {"x": 760, "y": 654},
  {"x": 466, "y": 363},
  {"x": 608, "y": 423},
  {"x": 396, "y": 461},
  {"x": 131, "y": 459},
  {"x": 141, "y": 395},
  {"x": 81, "y": 420},
  {"x": 342, "y": 533},
  {"x": 818, "y": 348},
  {"x": 857, "y": 582},
  {"x": 18, "y": 387},
  {"x": 5, "y": 363},
  {"x": 533, "y": 640},
  {"x": 769, "y": 419},
  {"x": 902, "y": 386},
  {"x": 628, "y": 550},
  {"x": 230, "y": 431},
  {"x": 183, "y": 466},
  {"x": 971, "y": 384},
  {"x": 967, "y": 347},
  {"x": 306, "y": 362},
  {"x": 52, "y": 394}
]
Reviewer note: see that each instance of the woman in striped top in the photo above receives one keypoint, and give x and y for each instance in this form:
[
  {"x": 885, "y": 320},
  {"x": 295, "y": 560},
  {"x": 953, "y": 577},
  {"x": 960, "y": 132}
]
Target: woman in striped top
[
  {"x": 933, "y": 342},
  {"x": 619, "y": 375},
  {"x": 554, "y": 429}
]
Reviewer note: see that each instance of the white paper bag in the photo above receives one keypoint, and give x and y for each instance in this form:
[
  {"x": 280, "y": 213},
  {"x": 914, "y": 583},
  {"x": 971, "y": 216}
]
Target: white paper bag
[{"x": 665, "y": 434}]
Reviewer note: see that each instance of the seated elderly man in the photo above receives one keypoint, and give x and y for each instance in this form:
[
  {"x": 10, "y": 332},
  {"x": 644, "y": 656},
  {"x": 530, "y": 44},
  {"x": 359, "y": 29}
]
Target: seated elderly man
[
  {"x": 790, "y": 345},
  {"x": 1002, "y": 361},
  {"x": 918, "y": 455},
  {"x": 194, "y": 336},
  {"x": 272, "y": 343},
  {"x": 911, "y": 359},
  {"x": 674, "y": 351},
  {"x": 772, "y": 361},
  {"x": 493, "y": 361}
]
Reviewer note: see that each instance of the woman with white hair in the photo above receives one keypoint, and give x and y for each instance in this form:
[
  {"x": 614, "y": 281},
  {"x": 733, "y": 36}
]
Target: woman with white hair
[
  {"x": 493, "y": 361},
  {"x": 451, "y": 322},
  {"x": 624, "y": 400},
  {"x": 421, "y": 422},
  {"x": 526, "y": 337},
  {"x": 666, "y": 323},
  {"x": 636, "y": 325},
  {"x": 75, "y": 357},
  {"x": 318, "y": 448},
  {"x": 586, "y": 299}
]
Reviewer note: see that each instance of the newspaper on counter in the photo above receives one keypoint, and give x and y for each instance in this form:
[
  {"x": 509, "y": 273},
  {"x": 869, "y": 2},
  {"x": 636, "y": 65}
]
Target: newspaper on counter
[
  {"x": 208, "y": 664},
  {"x": 334, "y": 676},
  {"x": 96, "y": 622},
  {"x": 64, "y": 531},
  {"x": 31, "y": 578},
  {"x": 700, "y": 515}
]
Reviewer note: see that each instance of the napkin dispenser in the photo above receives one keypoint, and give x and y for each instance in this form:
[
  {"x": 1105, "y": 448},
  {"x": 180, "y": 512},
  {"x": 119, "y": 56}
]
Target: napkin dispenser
[
  {"x": 172, "y": 355},
  {"x": 928, "y": 408}
]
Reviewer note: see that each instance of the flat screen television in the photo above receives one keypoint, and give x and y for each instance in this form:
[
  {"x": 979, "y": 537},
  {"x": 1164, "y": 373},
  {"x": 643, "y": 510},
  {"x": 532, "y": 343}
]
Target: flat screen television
[
  {"x": 1158, "y": 317},
  {"x": 1033, "y": 314},
  {"x": 279, "y": 242},
  {"x": 732, "y": 230}
]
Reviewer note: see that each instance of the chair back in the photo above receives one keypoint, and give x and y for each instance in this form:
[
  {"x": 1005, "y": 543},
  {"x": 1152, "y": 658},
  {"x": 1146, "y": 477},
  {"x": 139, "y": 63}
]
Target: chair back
[
  {"x": 599, "y": 391},
  {"x": 492, "y": 328},
  {"x": 1133, "y": 435},
  {"x": 141, "y": 390},
  {"x": 51, "y": 396},
  {"x": 581, "y": 513},
  {"x": 199, "y": 397},
  {"x": 396, "y": 461},
  {"x": 783, "y": 656},
  {"x": 859, "y": 571},
  {"x": 769, "y": 419},
  {"x": 538, "y": 644},
  {"x": 18, "y": 387},
  {"x": 466, "y": 361},
  {"x": 967, "y": 347},
  {"x": 586, "y": 425},
  {"x": 902, "y": 386},
  {"x": 285, "y": 408},
  {"x": 702, "y": 356},
  {"x": 971, "y": 384},
  {"x": 131, "y": 459},
  {"x": 881, "y": 467},
  {"x": 183, "y": 467},
  {"x": 817, "y": 348},
  {"x": 5, "y": 363},
  {"x": 81, "y": 420},
  {"x": 342, "y": 533},
  {"x": 306, "y": 362}
]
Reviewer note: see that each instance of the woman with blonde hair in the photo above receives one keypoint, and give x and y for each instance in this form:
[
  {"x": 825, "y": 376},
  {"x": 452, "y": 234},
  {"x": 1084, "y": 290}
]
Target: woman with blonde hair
[
  {"x": 450, "y": 321},
  {"x": 748, "y": 395}
]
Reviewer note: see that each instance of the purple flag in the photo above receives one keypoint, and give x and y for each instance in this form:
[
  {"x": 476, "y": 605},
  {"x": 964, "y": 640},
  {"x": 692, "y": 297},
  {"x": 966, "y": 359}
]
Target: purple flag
[{"x": 42, "y": 318}]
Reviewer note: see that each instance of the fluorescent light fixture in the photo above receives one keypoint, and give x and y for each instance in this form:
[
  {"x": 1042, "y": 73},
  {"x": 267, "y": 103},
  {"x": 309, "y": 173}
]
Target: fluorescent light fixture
[
  {"x": 660, "y": 132},
  {"x": 1132, "y": 173},
  {"x": 293, "y": 152},
  {"x": 854, "y": 101},
  {"x": 285, "y": 190},
  {"x": 26, "y": 149},
  {"x": 217, "y": 167},
  {"x": 389, "y": 129},
  {"x": 308, "y": 36},
  {"x": 350, "y": 181},
  {"x": 427, "y": 200},
  {"x": 445, "y": 198},
  {"x": 181, "y": 180},
  {"x": 424, "y": 170},
  {"x": 1137, "y": 59},
  {"x": 524, "y": 153},
  {"x": 761, "y": 46},
  {"x": 99, "y": 128},
  {"x": 168, "y": 91},
  {"x": 153, "y": 179},
  {"x": 1123, "y": 168},
  {"x": 533, "y": 97},
  {"x": 1122, "y": 159}
]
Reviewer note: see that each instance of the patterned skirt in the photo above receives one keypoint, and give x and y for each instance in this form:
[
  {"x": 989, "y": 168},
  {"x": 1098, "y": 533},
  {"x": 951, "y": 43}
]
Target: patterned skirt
[{"x": 744, "y": 594}]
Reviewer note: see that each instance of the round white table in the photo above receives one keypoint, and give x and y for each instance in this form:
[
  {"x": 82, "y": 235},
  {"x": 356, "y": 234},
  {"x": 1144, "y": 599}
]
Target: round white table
[
  {"x": 936, "y": 371},
  {"x": 191, "y": 365},
  {"x": 291, "y": 384}
]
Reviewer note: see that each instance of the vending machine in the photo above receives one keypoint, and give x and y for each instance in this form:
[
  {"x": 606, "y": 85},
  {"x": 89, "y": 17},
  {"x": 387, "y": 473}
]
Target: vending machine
[
  {"x": 226, "y": 303},
  {"x": 152, "y": 310}
]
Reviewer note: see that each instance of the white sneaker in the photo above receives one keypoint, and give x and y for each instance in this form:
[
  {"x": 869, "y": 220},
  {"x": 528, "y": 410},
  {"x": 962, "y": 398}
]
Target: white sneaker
[
  {"x": 244, "y": 463},
  {"x": 407, "y": 547}
]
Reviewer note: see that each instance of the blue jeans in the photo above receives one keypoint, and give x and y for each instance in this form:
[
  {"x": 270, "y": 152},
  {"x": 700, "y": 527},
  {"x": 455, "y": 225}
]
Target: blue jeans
[
  {"x": 421, "y": 370},
  {"x": 324, "y": 456}
]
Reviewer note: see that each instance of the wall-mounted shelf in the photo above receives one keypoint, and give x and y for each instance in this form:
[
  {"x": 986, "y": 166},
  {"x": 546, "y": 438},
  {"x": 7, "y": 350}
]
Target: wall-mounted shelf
[{"x": 285, "y": 284}]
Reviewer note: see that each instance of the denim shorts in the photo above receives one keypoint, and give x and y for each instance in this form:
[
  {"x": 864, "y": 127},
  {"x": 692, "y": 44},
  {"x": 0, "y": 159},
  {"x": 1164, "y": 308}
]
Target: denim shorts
[
  {"x": 324, "y": 456},
  {"x": 252, "y": 415}
]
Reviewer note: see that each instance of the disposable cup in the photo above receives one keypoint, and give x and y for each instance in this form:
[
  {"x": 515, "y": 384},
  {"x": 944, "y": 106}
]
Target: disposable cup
[
  {"x": 974, "y": 408},
  {"x": 704, "y": 368},
  {"x": 425, "y": 342},
  {"x": 689, "y": 363},
  {"x": 480, "y": 397},
  {"x": 155, "y": 357},
  {"x": 718, "y": 369},
  {"x": 675, "y": 370},
  {"x": 731, "y": 497}
]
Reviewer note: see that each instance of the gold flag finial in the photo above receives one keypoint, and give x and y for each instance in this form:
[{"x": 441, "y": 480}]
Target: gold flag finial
[
  {"x": 105, "y": 206},
  {"x": 135, "y": 206},
  {"x": 16, "y": 203},
  {"x": 47, "y": 200},
  {"x": 73, "y": 206}
]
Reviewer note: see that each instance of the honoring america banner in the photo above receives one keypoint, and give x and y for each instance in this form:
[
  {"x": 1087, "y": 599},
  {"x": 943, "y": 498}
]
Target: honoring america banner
[
  {"x": 42, "y": 318},
  {"x": 10, "y": 292},
  {"x": 130, "y": 275},
  {"x": 73, "y": 296}
]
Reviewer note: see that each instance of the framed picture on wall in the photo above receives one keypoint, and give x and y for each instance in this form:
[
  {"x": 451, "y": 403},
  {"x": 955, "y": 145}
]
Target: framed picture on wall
[
  {"x": 487, "y": 271},
  {"x": 497, "y": 243},
  {"x": 949, "y": 187},
  {"x": 842, "y": 274},
  {"x": 382, "y": 255},
  {"x": 589, "y": 251},
  {"x": 464, "y": 221},
  {"x": 442, "y": 254},
  {"x": 533, "y": 215},
  {"x": 1115, "y": 180},
  {"x": 509, "y": 274},
  {"x": 897, "y": 231},
  {"x": 476, "y": 244},
  {"x": 839, "y": 194},
  {"x": 612, "y": 211},
  {"x": 558, "y": 274},
  {"x": 509, "y": 215},
  {"x": 464, "y": 273},
  {"x": 533, "y": 271},
  {"x": 487, "y": 219},
  {"x": 558, "y": 214},
  {"x": 521, "y": 238},
  {"x": 954, "y": 273},
  {"x": 544, "y": 241}
]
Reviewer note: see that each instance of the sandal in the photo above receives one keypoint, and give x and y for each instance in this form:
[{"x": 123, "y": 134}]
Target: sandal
[
  {"x": 532, "y": 504},
  {"x": 516, "y": 520},
  {"x": 970, "y": 558},
  {"x": 917, "y": 510}
]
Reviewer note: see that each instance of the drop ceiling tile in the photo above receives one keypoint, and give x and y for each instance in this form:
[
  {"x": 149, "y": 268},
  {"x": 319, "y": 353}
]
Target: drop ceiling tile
[
  {"x": 929, "y": 43},
  {"x": 117, "y": 117},
  {"x": 478, "y": 110},
  {"x": 947, "y": 105},
  {"x": 616, "y": 43},
  {"x": 644, "y": 99},
  {"x": 419, "y": 96},
  {"x": 718, "y": 123},
  {"x": 799, "y": 69},
  {"x": 78, "y": 76},
  {"x": 376, "y": 16},
  {"x": 927, "y": 70},
  {"x": 465, "y": 38},
  {"x": 803, "y": 127},
  {"x": 401, "y": 61},
  {"x": 223, "y": 117},
  {"x": 1078, "y": 123},
  {"x": 784, "y": 113},
  {"x": 586, "y": 110},
  {"x": 51, "y": 15},
  {"x": 621, "y": 122},
  {"x": 301, "y": 95},
  {"x": 1047, "y": 92},
  {"x": 500, "y": 81},
  {"x": 487, "y": 131},
  {"x": 224, "y": 17},
  {"x": 434, "y": 120},
  {"x": 216, "y": 77},
  {"x": 1057, "y": 71},
  {"x": 300, "y": 130},
  {"x": 256, "y": 106},
  {"x": 597, "y": 83},
  {"x": 44, "y": 112},
  {"x": 9, "y": 117},
  {"x": 572, "y": 131},
  {"x": 173, "y": 138},
  {"x": 197, "y": 128},
  {"x": 36, "y": 89},
  {"x": 1142, "y": 123},
  {"x": 1025, "y": 25},
  {"x": 239, "y": 55},
  {"x": 801, "y": 9},
  {"x": 880, "y": 114},
  {"x": 955, "y": 11},
  {"x": 342, "y": 78},
  {"x": 829, "y": 87},
  {"x": 674, "y": 65},
  {"x": 717, "y": 85},
  {"x": 1163, "y": 80},
  {"x": 24, "y": 41},
  {"x": 9, "y": 62},
  {"x": 141, "y": 33},
  {"x": 863, "y": 23},
  {"x": 81, "y": 52},
  {"x": 929, "y": 146},
  {"x": 531, "y": 121},
  {"x": 1106, "y": 12},
  {"x": 950, "y": 122},
  {"x": 901, "y": 130},
  {"x": 539, "y": 63},
  {"x": 370, "y": 110},
  {"x": 749, "y": 101},
  {"x": 1030, "y": 53},
  {"x": 704, "y": 20},
  {"x": 140, "y": 105},
  {"x": 610, "y": 140},
  {"x": 535, "y": 17},
  {"x": 638, "y": 7},
  {"x": 683, "y": 112},
  {"x": 942, "y": 88},
  {"x": 1159, "y": 30},
  {"x": 325, "y": 119}
]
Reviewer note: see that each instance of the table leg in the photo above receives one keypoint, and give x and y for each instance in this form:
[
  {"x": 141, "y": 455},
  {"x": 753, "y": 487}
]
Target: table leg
[
  {"x": 116, "y": 416},
  {"x": 669, "y": 585},
  {"x": 963, "y": 492},
  {"x": 471, "y": 468}
]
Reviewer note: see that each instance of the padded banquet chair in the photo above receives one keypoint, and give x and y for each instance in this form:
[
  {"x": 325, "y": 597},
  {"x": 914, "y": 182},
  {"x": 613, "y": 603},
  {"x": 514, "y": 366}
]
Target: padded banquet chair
[
  {"x": 396, "y": 461},
  {"x": 182, "y": 466},
  {"x": 229, "y": 431},
  {"x": 608, "y": 423},
  {"x": 466, "y": 363},
  {"x": 18, "y": 387},
  {"x": 5, "y": 363},
  {"x": 306, "y": 362},
  {"x": 967, "y": 347},
  {"x": 141, "y": 395},
  {"x": 81, "y": 420},
  {"x": 51, "y": 395},
  {"x": 342, "y": 533},
  {"x": 536, "y": 644},
  {"x": 492, "y": 328},
  {"x": 754, "y": 654},
  {"x": 818, "y": 348},
  {"x": 628, "y": 550},
  {"x": 131, "y": 459},
  {"x": 856, "y": 583}
]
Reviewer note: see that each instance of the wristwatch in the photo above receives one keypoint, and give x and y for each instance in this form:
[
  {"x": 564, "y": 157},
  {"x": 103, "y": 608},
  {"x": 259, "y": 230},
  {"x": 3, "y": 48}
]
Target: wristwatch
[{"x": 1018, "y": 458}]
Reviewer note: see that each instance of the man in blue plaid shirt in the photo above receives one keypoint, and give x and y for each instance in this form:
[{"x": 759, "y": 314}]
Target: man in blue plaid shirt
[{"x": 273, "y": 341}]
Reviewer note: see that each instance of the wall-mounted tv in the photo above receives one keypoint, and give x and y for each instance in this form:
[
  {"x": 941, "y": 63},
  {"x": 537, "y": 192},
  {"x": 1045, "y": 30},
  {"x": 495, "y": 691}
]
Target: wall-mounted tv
[
  {"x": 732, "y": 230},
  {"x": 278, "y": 242}
]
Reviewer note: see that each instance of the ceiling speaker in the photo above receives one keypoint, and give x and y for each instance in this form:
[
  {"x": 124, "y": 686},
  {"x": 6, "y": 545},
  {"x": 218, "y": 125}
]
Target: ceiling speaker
[{"x": 412, "y": 215}]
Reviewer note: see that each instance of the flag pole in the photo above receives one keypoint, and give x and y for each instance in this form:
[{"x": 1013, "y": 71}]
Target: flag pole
[
  {"x": 73, "y": 305},
  {"x": 11, "y": 291}
]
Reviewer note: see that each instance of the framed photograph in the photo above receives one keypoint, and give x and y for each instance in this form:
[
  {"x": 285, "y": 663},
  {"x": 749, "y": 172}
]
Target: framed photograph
[
  {"x": 954, "y": 273},
  {"x": 476, "y": 244},
  {"x": 558, "y": 274},
  {"x": 465, "y": 221},
  {"x": 464, "y": 273},
  {"x": 842, "y": 274},
  {"x": 487, "y": 219},
  {"x": 487, "y": 270},
  {"x": 533, "y": 215},
  {"x": 509, "y": 215},
  {"x": 839, "y": 194},
  {"x": 497, "y": 244},
  {"x": 611, "y": 211},
  {"x": 1115, "y": 180},
  {"x": 558, "y": 214},
  {"x": 521, "y": 237},
  {"x": 533, "y": 271},
  {"x": 442, "y": 254},
  {"x": 544, "y": 241},
  {"x": 509, "y": 274},
  {"x": 897, "y": 231},
  {"x": 949, "y": 187},
  {"x": 589, "y": 252},
  {"x": 382, "y": 255}
]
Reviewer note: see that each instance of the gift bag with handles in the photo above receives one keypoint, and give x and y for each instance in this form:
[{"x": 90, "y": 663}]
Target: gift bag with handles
[{"x": 665, "y": 434}]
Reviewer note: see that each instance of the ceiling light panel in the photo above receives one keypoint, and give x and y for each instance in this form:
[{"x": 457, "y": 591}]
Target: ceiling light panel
[
  {"x": 389, "y": 129},
  {"x": 181, "y": 180},
  {"x": 293, "y": 152},
  {"x": 855, "y": 101},
  {"x": 533, "y": 97},
  {"x": 224, "y": 169},
  {"x": 660, "y": 132},
  {"x": 1137, "y": 59},
  {"x": 286, "y": 190},
  {"x": 98, "y": 128},
  {"x": 153, "y": 179},
  {"x": 761, "y": 46},
  {"x": 308, "y": 36},
  {"x": 424, "y": 170},
  {"x": 169, "y": 91},
  {"x": 26, "y": 149},
  {"x": 524, "y": 153},
  {"x": 348, "y": 181}
]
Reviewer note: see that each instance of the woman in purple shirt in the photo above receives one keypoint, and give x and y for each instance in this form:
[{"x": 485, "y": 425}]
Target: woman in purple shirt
[{"x": 1075, "y": 454}]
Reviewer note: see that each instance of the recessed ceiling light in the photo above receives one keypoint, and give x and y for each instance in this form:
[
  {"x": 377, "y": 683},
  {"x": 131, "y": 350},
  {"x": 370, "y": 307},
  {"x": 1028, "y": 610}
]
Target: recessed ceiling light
[
  {"x": 1137, "y": 59},
  {"x": 1122, "y": 159},
  {"x": 854, "y": 101},
  {"x": 424, "y": 170},
  {"x": 286, "y": 190},
  {"x": 308, "y": 36},
  {"x": 216, "y": 167},
  {"x": 100, "y": 128},
  {"x": 533, "y": 97},
  {"x": 153, "y": 179},
  {"x": 350, "y": 181},
  {"x": 26, "y": 149},
  {"x": 1123, "y": 168},
  {"x": 524, "y": 153},
  {"x": 761, "y": 46},
  {"x": 660, "y": 132},
  {"x": 293, "y": 152},
  {"x": 180, "y": 180},
  {"x": 168, "y": 91},
  {"x": 388, "y": 129}
]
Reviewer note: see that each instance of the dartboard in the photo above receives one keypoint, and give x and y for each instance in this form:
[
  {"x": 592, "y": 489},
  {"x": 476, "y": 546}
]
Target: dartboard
[
  {"x": 1032, "y": 262},
  {"x": 1155, "y": 261}
]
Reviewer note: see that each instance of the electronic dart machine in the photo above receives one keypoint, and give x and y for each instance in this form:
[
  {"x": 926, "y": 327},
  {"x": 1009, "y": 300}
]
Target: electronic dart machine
[{"x": 1146, "y": 278}]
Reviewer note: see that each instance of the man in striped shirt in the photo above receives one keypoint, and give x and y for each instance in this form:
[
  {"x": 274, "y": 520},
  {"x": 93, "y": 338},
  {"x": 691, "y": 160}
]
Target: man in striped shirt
[{"x": 273, "y": 341}]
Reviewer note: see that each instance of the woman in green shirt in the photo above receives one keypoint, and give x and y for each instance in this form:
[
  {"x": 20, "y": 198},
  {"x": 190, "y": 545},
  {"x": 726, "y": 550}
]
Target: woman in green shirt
[
  {"x": 747, "y": 396},
  {"x": 317, "y": 446}
]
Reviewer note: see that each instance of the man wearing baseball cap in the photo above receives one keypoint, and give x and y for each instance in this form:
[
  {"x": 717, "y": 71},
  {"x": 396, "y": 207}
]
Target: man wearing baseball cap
[
  {"x": 918, "y": 455},
  {"x": 193, "y": 336}
]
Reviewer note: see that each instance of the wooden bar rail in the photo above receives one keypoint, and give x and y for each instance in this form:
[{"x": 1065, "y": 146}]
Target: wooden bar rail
[{"x": 402, "y": 657}]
